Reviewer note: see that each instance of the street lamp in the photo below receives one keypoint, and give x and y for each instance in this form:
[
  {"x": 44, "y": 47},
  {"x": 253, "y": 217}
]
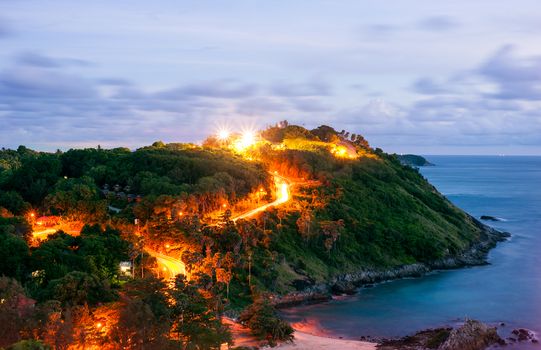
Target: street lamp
[{"x": 223, "y": 134}]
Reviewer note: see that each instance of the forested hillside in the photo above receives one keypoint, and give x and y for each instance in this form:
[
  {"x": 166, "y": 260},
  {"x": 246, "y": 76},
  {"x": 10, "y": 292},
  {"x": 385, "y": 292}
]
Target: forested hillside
[{"x": 339, "y": 206}]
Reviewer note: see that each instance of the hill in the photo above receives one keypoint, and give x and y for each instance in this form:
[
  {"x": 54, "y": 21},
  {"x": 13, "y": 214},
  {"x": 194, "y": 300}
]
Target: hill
[
  {"x": 413, "y": 160},
  {"x": 281, "y": 211}
]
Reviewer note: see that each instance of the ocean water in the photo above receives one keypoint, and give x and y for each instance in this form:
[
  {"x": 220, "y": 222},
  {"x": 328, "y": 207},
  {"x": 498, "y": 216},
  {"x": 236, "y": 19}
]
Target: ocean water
[{"x": 508, "y": 290}]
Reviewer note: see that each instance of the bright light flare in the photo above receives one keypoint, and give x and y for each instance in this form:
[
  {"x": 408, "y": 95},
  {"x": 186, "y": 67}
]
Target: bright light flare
[
  {"x": 343, "y": 152},
  {"x": 247, "y": 139},
  {"x": 284, "y": 193},
  {"x": 223, "y": 134}
]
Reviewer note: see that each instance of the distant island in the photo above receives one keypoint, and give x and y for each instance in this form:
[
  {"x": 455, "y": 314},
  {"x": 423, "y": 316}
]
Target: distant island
[
  {"x": 118, "y": 248},
  {"x": 413, "y": 160}
]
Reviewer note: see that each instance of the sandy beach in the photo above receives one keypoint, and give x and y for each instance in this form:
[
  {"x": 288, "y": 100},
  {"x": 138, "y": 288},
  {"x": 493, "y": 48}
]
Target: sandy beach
[
  {"x": 302, "y": 341},
  {"x": 305, "y": 341}
]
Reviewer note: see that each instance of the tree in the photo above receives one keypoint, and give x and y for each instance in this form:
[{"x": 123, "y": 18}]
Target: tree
[
  {"x": 78, "y": 199},
  {"x": 145, "y": 319},
  {"x": 305, "y": 223},
  {"x": 36, "y": 176},
  {"x": 262, "y": 319},
  {"x": 224, "y": 276},
  {"x": 29, "y": 345},
  {"x": 14, "y": 255},
  {"x": 13, "y": 202},
  {"x": 79, "y": 288},
  {"x": 331, "y": 231},
  {"x": 15, "y": 311},
  {"x": 195, "y": 324}
]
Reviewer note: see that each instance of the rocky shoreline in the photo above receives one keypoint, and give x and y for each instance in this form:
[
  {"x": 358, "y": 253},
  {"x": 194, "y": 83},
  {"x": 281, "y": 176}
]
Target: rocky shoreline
[{"x": 349, "y": 283}]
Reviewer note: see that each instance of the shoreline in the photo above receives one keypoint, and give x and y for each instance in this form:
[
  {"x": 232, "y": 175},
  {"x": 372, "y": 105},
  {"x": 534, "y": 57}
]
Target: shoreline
[
  {"x": 309, "y": 336},
  {"x": 305, "y": 338},
  {"x": 307, "y": 341},
  {"x": 349, "y": 283}
]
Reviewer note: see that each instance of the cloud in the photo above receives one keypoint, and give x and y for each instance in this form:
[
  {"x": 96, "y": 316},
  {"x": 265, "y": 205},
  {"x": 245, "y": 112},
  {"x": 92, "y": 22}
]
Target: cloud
[
  {"x": 516, "y": 77},
  {"x": 437, "y": 23},
  {"x": 114, "y": 82},
  {"x": 33, "y": 82},
  {"x": 213, "y": 89},
  {"x": 311, "y": 105},
  {"x": 311, "y": 88},
  {"x": 38, "y": 60},
  {"x": 428, "y": 86},
  {"x": 5, "y": 29},
  {"x": 45, "y": 105},
  {"x": 260, "y": 106},
  {"x": 374, "y": 112},
  {"x": 381, "y": 31},
  {"x": 494, "y": 105}
]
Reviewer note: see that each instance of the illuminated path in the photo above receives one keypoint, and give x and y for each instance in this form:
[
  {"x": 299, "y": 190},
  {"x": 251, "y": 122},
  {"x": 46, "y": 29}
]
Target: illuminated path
[
  {"x": 282, "y": 196},
  {"x": 41, "y": 235},
  {"x": 173, "y": 266}
]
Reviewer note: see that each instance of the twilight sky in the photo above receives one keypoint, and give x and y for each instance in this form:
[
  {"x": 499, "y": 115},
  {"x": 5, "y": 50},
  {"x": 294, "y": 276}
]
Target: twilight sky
[{"x": 428, "y": 77}]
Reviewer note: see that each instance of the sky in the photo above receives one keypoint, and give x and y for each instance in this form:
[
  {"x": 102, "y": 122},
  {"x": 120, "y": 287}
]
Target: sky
[{"x": 412, "y": 76}]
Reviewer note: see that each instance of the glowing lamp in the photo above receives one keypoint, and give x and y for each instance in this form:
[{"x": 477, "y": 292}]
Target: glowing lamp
[
  {"x": 247, "y": 139},
  {"x": 223, "y": 134}
]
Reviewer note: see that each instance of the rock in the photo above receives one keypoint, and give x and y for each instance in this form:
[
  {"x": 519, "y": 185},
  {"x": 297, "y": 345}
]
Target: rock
[
  {"x": 489, "y": 218},
  {"x": 523, "y": 334},
  {"x": 473, "y": 335},
  {"x": 308, "y": 291},
  {"x": 426, "y": 339},
  {"x": 344, "y": 287}
]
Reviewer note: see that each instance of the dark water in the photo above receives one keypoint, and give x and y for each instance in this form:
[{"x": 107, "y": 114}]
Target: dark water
[{"x": 508, "y": 290}]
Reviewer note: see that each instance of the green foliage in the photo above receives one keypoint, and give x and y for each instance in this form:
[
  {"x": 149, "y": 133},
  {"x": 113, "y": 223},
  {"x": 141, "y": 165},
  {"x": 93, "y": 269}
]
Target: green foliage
[
  {"x": 16, "y": 226},
  {"x": 197, "y": 326},
  {"x": 14, "y": 256},
  {"x": 65, "y": 266},
  {"x": 264, "y": 322},
  {"x": 369, "y": 212},
  {"x": 413, "y": 160},
  {"x": 13, "y": 202},
  {"x": 34, "y": 178},
  {"x": 145, "y": 316},
  {"x": 79, "y": 288},
  {"x": 29, "y": 345},
  {"x": 77, "y": 199}
]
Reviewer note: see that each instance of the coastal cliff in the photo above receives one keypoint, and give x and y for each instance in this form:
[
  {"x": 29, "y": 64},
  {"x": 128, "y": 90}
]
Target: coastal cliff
[{"x": 349, "y": 283}]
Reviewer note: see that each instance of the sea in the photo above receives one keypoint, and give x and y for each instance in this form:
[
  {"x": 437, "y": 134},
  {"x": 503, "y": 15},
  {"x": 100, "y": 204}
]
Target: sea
[{"x": 505, "y": 293}]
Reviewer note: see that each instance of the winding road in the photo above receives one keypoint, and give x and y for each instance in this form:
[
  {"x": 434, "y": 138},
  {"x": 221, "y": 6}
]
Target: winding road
[
  {"x": 174, "y": 266},
  {"x": 168, "y": 264},
  {"x": 282, "y": 196}
]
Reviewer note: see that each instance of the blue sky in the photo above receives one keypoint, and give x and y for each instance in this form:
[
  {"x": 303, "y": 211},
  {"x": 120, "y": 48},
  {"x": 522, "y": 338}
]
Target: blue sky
[{"x": 460, "y": 77}]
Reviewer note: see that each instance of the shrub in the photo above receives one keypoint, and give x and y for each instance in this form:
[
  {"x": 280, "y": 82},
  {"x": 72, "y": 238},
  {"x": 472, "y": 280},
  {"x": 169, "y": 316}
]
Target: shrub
[{"x": 263, "y": 320}]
